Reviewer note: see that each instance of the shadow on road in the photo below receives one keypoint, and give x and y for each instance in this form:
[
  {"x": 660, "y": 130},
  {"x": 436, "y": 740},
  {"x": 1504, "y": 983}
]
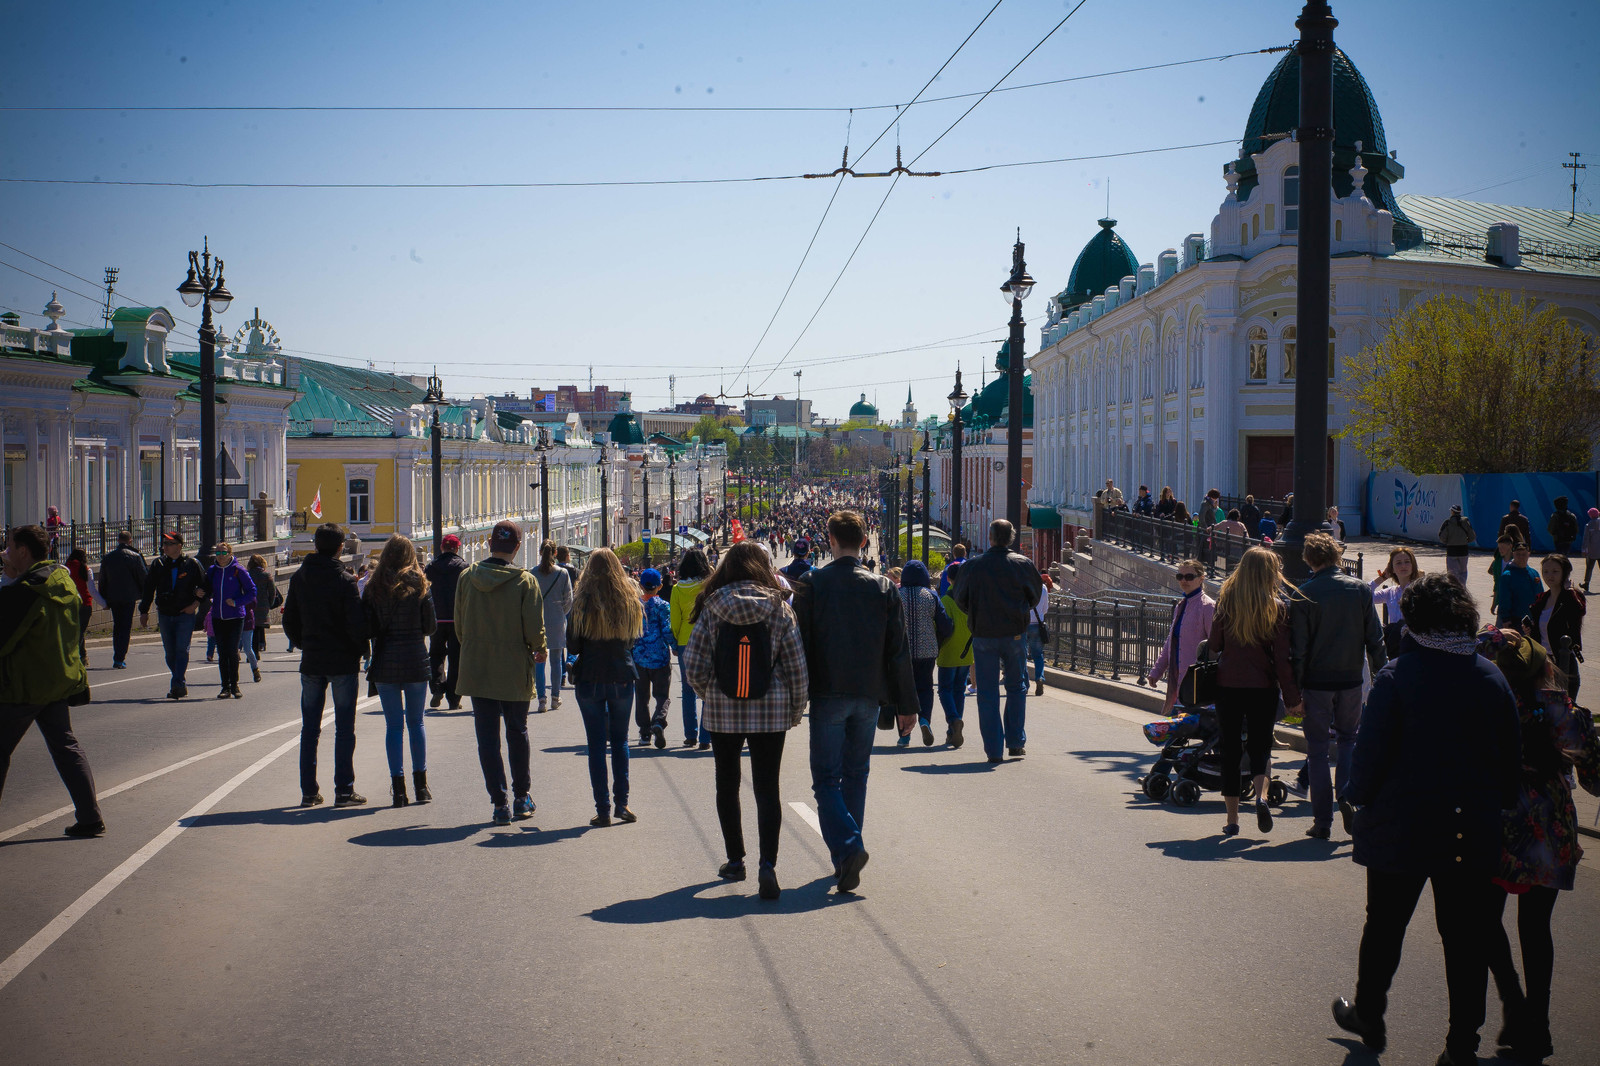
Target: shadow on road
[
  {"x": 1115, "y": 762},
  {"x": 282, "y": 816},
  {"x": 954, "y": 767},
  {"x": 1208, "y": 849},
  {"x": 530, "y": 835},
  {"x": 687, "y": 902},
  {"x": 416, "y": 836}
]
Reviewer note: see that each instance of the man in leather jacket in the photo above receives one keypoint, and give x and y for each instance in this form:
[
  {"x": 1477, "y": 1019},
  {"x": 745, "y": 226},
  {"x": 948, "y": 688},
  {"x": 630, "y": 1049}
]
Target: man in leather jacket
[
  {"x": 998, "y": 591},
  {"x": 853, "y": 626}
]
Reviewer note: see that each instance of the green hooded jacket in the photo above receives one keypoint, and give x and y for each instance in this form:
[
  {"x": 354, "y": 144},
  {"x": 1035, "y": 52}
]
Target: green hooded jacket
[
  {"x": 500, "y": 622},
  {"x": 957, "y": 651},
  {"x": 39, "y": 661}
]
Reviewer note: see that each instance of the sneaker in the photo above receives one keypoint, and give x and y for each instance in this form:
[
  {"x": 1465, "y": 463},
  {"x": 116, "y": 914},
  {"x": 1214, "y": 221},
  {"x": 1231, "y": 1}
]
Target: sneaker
[
  {"x": 600, "y": 821},
  {"x": 1347, "y": 815},
  {"x": 555, "y": 701},
  {"x": 209, "y": 659},
  {"x": 502, "y": 815},
  {"x": 660, "y": 736},
  {"x": 225, "y": 693},
  {"x": 455, "y": 703},
  {"x": 1231, "y": 829},
  {"x": 119, "y": 666},
  {"x": 85, "y": 829},
  {"x": 543, "y": 706},
  {"x": 731, "y": 871},
  {"x": 690, "y": 742},
  {"x": 1038, "y": 687},
  {"x": 954, "y": 738},
  {"x": 1263, "y": 816},
  {"x": 178, "y": 692},
  {"x": 927, "y": 735},
  {"x": 1373, "y": 1034},
  {"x": 349, "y": 799},
  {"x": 1319, "y": 832},
  {"x": 255, "y": 672},
  {"x": 705, "y": 745},
  {"x": 523, "y": 807},
  {"x": 438, "y": 698},
  {"x": 1017, "y": 752},
  {"x": 993, "y": 759},
  {"x": 623, "y": 814},
  {"x": 850, "y": 871},
  {"x": 644, "y": 740},
  {"x": 767, "y": 877},
  {"x": 903, "y": 742},
  {"x": 311, "y": 799}
]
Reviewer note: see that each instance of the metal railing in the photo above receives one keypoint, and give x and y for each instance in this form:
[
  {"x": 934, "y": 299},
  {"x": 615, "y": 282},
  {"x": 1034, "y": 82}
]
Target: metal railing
[
  {"x": 1173, "y": 542},
  {"x": 1118, "y": 639},
  {"x": 1268, "y": 507}
]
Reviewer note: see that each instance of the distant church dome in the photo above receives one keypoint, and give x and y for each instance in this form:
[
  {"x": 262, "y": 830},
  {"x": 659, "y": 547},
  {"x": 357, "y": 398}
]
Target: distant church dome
[
  {"x": 863, "y": 409},
  {"x": 1104, "y": 261}
]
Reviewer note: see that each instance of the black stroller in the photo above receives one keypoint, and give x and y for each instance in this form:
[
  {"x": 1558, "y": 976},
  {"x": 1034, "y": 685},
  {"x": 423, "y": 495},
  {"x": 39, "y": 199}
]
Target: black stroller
[{"x": 1190, "y": 764}]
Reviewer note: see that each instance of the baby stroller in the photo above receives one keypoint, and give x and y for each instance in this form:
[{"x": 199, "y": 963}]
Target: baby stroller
[{"x": 1189, "y": 763}]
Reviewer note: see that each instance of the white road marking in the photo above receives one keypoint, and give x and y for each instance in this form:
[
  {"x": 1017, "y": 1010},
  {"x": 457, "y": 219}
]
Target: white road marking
[
  {"x": 807, "y": 815},
  {"x": 37, "y": 945},
  {"x": 124, "y": 680},
  {"x": 62, "y": 812}
]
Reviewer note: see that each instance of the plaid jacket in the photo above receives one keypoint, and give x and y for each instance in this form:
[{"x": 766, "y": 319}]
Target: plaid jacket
[{"x": 780, "y": 708}]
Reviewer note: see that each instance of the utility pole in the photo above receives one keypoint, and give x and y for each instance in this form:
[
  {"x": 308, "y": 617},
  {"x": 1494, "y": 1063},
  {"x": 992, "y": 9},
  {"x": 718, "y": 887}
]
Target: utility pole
[
  {"x": 797, "y": 374},
  {"x": 111, "y": 290},
  {"x": 1574, "y": 166}
]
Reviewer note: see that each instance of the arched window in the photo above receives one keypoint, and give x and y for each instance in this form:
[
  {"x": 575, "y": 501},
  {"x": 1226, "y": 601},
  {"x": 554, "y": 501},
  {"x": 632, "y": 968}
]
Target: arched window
[
  {"x": 1170, "y": 371},
  {"x": 1244, "y": 233},
  {"x": 1338, "y": 229},
  {"x": 1255, "y": 226},
  {"x": 1127, "y": 371},
  {"x": 1288, "y": 343},
  {"x": 1147, "y": 377},
  {"x": 1291, "y": 199},
  {"x": 1257, "y": 351}
]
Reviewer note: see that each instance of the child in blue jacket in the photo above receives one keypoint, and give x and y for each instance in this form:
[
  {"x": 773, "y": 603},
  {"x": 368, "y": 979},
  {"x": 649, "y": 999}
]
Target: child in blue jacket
[{"x": 652, "y": 659}]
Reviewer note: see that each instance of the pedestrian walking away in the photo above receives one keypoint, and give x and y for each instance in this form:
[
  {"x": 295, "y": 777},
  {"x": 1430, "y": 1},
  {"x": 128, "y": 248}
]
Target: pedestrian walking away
[
  {"x": 176, "y": 584},
  {"x": 268, "y": 599},
  {"x": 746, "y": 660},
  {"x": 399, "y": 611},
  {"x": 500, "y": 620},
  {"x": 1555, "y": 619},
  {"x": 41, "y": 673},
  {"x": 1562, "y": 526},
  {"x": 1334, "y": 628},
  {"x": 555, "y": 586},
  {"x": 652, "y": 659},
  {"x": 1038, "y": 632},
  {"x": 230, "y": 600},
  {"x": 122, "y": 574},
  {"x": 954, "y": 663},
  {"x": 693, "y": 571},
  {"x": 1457, "y": 536},
  {"x": 1437, "y": 759},
  {"x": 1516, "y": 521},
  {"x": 444, "y": 650},
  {"x": 322, "y": 616},
  {"x": 1250, "y": 641},
  {"x": 857, "y": 660},
  {"x": 999, "y": 591},
  {"x": 925, "y": 619},
  {"x": 607, "y": 618},
  {"x": 1192, "y": 616},
  {"x": 1591, "y": 546}
]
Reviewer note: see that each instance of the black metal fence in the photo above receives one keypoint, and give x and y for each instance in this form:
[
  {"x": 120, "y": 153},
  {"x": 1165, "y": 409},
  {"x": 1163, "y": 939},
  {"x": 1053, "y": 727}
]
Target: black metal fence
[
  {"x": 1268, "y": 507},
  {"x": 1173, "y": 542},
  {"x": 1118, "y": 639},
  {"x": 97, "y": 538}
]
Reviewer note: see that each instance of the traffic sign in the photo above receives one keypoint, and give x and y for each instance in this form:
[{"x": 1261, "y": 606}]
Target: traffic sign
[{"x": 645, "y": 536}]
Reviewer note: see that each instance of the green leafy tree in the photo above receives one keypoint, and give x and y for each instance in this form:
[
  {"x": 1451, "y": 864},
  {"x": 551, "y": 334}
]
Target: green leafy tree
[
  {"x": 1497, "y": 385},
  {"x": 711, "y": 429}
]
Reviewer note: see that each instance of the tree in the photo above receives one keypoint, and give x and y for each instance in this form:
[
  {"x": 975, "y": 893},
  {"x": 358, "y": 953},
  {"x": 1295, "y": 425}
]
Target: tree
[
  {"x": 1498, "y": 385},
  {"x": 711, "y": 429}
]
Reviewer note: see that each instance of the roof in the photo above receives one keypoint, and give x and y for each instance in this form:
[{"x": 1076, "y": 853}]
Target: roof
[
  {"x": 863, "y": 409},
  {"x": 364, "y": 402},
  {"x": 624, "y": 429},
  {"x": 988, "y": 407},
  {"x": 1552, "y": 242},
  {"x": 137, "y": 314},
  {"x": 1104, "y": 261}
]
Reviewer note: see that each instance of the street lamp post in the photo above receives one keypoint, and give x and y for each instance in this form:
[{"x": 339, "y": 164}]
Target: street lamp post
[
  {"x": 644, "y": 501},
  {"x": 924, "y": 498},
  {"x": 958, "y": 400},
  {"x": 543, "y": 448},
  {"x": 201, "y": 286},
  {"x": 434, "y": 400},
  {"x": 700, "y": 490},
  {"x": 672, "y": 492},
  {"x": 605, "y": 513},
  {"x": 1015, "y": 290}
]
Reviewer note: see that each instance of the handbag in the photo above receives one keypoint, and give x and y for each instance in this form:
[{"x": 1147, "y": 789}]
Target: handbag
[
  {"x": 1044, "y": 627},
  {"x": 1199, "y": 685}
]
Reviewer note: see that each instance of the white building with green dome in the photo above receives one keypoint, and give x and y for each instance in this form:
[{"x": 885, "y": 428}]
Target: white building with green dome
[{"x": 1180, "y": 371}]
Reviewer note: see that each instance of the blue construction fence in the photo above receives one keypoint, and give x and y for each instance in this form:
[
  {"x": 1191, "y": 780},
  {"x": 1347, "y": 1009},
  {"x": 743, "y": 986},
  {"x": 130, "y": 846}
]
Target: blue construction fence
[{"x": 1403, "y": 504}]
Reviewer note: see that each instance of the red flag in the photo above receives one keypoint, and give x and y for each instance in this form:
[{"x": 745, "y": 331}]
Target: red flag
[{"x": 316, "y": 504}]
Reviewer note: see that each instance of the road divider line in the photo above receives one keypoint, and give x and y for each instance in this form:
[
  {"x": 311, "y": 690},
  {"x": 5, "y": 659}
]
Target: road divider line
[
  {"x": 124, "y": 680},
  {"x": 61, "y": 812},
  {"x": 41, "y": 941},
  {"x": 807, "y": 815}
]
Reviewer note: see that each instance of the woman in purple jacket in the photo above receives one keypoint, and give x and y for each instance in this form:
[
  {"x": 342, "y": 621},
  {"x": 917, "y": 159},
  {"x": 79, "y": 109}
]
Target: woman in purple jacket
[
  {"x": 232, "y": 595},
  {"x": 1191, "y": 624}
]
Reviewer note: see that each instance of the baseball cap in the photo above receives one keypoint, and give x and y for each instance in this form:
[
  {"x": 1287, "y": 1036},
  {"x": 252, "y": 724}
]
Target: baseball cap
[
  {"x": 650, "y": 578},
  {"x": 802, "y": 548},
  {"x": 507, "y": 536},
  {"x": 450, "y": 543}
]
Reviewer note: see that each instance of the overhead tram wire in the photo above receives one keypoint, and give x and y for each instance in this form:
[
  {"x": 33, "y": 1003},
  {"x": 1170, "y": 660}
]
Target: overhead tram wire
[
  {"x": 844, "y": 169},
  {"x": 899, "y": 170}
]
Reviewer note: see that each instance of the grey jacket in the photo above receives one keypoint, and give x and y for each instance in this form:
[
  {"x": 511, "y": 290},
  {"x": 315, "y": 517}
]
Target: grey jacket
[
  {"x": 556, "y": 588},
  {"x": 1332, "y": 624}
]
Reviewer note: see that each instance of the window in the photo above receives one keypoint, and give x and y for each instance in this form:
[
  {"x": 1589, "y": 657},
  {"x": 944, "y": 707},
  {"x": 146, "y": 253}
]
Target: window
[
  {"x": 1338, "y": 229},
  {"x": 1291, "y": 199},
  {"x": 1272, "y": 217},
  {"x": 1258, "y": 353},
  {"x": 1197, "y": 356},
  {"x": 1255, "y": 226},
  {"x": 1332, "y": 361},
  {"x": 360, "y": 503},
  {"x": 147, "y": 486},
  {"x": 1288, "y": 342},
  {"x": 1244, "y": 233}
]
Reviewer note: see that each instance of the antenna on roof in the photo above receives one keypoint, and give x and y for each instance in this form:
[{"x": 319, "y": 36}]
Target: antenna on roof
[
  {"x": 111, "y": 287},
  {"x": 1574, "y": 166},
  {"x": 1108, "y": 197}
]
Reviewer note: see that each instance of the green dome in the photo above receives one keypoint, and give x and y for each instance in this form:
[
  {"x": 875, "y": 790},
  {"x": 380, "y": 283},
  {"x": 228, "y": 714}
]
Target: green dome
[
  {"x": 1355, "y": 118},
  {"x": 988, "y": 407},
  {"x": 863, "y": 409},
  {"x": 624, "y": 429},
  {"x": 1104, "y": 261}
]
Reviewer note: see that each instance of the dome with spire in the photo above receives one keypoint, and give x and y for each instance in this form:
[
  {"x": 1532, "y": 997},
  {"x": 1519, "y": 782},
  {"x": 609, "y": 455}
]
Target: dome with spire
[
  {"x": 863, "y": 409},
  {"x": 988, "y": 407},
  {"x": 1356, "y": 120},
  {"x": 1104, "y": 261}
]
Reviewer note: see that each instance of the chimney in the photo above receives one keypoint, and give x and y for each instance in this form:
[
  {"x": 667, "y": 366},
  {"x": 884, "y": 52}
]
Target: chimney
[
  {"x": 1504, "y": 244},
  {"x": 291, "y": 377},
  {"x": 1166, "y": 265}
]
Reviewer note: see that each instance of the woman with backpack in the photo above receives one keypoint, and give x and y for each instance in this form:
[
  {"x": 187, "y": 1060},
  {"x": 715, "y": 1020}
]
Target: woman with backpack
[
  {"x": 607, "y": 617},
  {"x": 692, "y": 573},
  {"x": 555, "y": 585},
  {"x": 922, "y": 609},
  {"x": 746, "y": 661},
  {"x": 400, "y": 614},
  {"x": 1250, "y": 640}
]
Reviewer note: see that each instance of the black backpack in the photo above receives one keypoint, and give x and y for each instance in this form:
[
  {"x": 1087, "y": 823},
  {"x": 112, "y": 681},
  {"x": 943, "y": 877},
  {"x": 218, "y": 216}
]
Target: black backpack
[{"x": 743, "y": 660}]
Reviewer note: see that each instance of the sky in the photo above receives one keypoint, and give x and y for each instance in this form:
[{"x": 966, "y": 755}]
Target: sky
[{"x": 509, "y": 288}]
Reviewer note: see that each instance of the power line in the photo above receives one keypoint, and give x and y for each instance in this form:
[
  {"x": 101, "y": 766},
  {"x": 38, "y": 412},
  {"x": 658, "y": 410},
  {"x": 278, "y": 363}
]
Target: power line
[{"x": 623, "y": 108}]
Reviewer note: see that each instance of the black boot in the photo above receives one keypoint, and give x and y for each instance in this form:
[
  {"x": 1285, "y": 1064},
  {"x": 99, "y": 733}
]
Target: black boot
[
  {"x": 421, "y": 779},
  {"x": 400, "y": 799}
]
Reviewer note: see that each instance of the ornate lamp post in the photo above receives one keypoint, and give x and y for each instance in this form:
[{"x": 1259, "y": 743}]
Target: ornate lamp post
[
  {"x": 925, "y": 465},
  {"x": 672, "y": 492},
  {"x": 543, "y": 448},
  {"x": 958, "y": 400},
  {"x": 1015, "y": 290},
  {"x": 644, "y": 500},
  {"x": 604, "y": 463},
  {"x": 201, "y": 286},
  {"x": 434, "y": 400}
]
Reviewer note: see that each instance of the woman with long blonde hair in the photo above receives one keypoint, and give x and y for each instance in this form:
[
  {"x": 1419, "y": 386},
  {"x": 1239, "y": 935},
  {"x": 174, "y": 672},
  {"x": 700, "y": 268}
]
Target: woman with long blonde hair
[
  {"x": 606, "y": 619},
  {"x": 400, "y": 616},
  {"x": 1250, "y": 640}
]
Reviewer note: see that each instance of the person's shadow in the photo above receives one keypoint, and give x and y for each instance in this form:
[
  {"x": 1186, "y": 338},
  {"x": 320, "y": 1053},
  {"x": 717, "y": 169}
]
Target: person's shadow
[
  {"x": 687, "y": 902},
  {"x": 953, "y": 767},
  {"x": 416, "y": 836},
  {"x": 282, "y": 816}
]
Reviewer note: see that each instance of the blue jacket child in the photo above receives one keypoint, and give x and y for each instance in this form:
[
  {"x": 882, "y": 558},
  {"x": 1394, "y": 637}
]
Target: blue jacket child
[{"x": 653, "y": 649}]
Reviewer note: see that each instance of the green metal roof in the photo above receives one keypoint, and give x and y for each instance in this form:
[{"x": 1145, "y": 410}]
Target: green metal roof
[
  {"x": 1104, "y": 261},
  {"x": 987, "y": 408},
  {"x": 863, "y": 409},
  {"x": 624, "y": 429},
  {"x": 352, "y": 395},
  {"x": 1575, "y": 240},
  {"x": 1044, "y": 517},
  {"x": 137, "y": 314}
]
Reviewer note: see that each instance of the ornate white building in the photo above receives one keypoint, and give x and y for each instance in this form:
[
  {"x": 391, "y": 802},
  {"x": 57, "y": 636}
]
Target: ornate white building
[{"x": 1181, "y": 372}]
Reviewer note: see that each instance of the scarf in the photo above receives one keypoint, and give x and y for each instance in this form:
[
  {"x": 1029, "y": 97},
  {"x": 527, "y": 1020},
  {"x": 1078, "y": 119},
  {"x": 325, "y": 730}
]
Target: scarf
[{"x": 1454, "y": 643}]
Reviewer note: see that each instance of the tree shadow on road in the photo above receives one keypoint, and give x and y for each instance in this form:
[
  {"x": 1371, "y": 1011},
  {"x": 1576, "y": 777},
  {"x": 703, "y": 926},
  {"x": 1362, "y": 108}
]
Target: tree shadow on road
[
  {"x": 1211, "y": 849},
  {"x": 687, "y": 902},
  {"x": 282, "y": 816}
]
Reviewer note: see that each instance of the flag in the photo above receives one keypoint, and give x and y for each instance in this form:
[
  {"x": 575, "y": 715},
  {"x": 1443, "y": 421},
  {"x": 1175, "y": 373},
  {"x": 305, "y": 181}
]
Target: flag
[{"x": 316, "y": 504}]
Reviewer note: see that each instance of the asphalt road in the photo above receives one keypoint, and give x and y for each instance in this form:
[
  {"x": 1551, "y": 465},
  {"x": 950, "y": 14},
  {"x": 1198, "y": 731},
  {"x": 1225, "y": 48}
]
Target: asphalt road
[{"x": 1038, "y": 912}]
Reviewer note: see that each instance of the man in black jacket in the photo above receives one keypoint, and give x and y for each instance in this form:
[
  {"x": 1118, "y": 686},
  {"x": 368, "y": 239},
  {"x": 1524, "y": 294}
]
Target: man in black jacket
[
  {"x": 322, "y": 616},
  {"x": 1562, "y": 526},
  {"x": 1333, "y": 625},
  {"x": 177, "y": 584},
  {"x": 853, "y": 627},
  {"x": 444, "y": 649},
  {"x": 122, "y": 574},
  {"x": 998, "y": 591},
  {"x": 1515, "y": 519}
]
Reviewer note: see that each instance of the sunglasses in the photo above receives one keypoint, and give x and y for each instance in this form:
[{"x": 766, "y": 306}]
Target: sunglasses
[{"x": 1188, "y": 577}]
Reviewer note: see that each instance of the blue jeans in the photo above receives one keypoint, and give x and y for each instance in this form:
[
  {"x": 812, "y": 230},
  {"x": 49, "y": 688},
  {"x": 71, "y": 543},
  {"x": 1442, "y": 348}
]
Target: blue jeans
[
  {"x": 842, "y": 728},
  {"x": 1036, "y": 651},
  {"x": 313, "y": 694},
  {"x": 691, "y": 729},
  {"x": 605, "y": 710},
  {"x": 558, "y": 671},
  {"x": 991, "y": 655},
  {"x": 176, "y": 629},
  {"x": 953, "y": 691},
  {"x": 1339, "y": 711},
  {"x": 402, "y": 712}
]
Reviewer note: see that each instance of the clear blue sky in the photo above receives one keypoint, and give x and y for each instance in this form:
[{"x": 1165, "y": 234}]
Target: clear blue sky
[{"x": 510, "y": 288}]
